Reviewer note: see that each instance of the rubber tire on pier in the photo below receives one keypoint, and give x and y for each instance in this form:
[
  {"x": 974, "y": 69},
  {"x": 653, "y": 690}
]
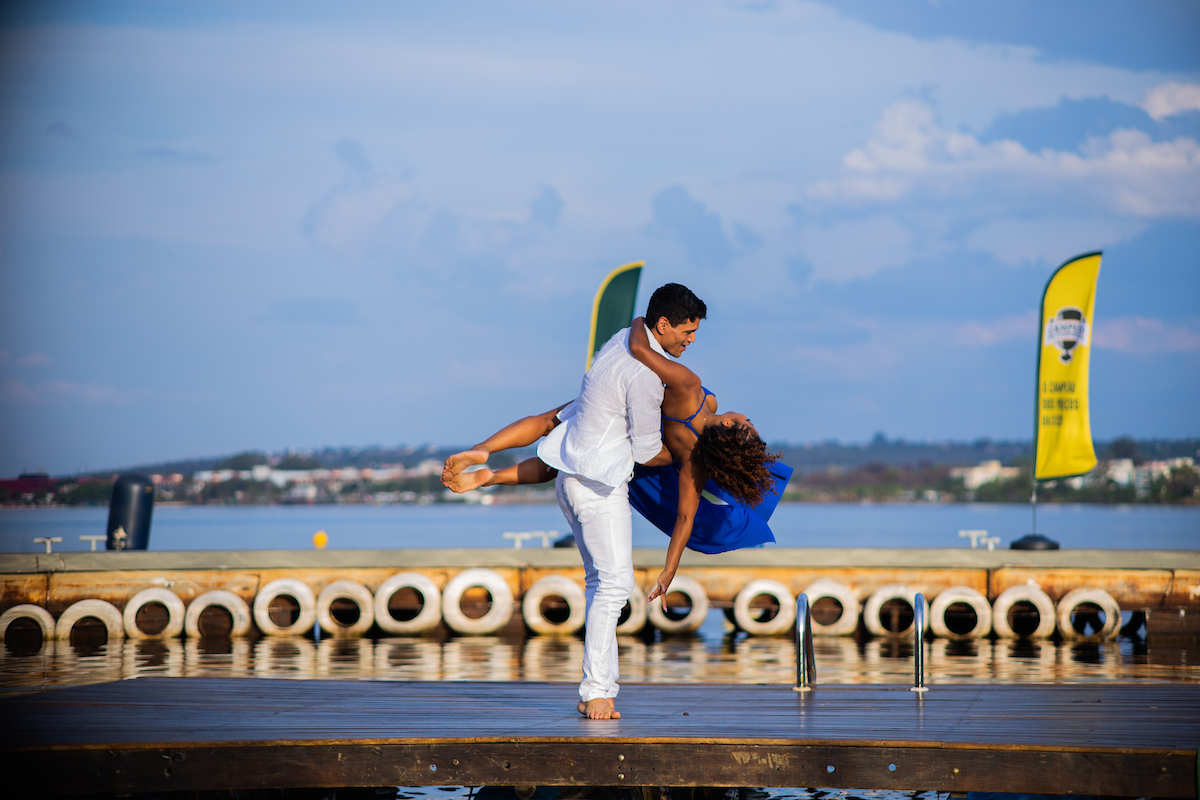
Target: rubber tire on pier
[
  {"x": 554, "y": 586},
  {"x": 875, "y": 603},
  {"x": 1077, "y": 597},
  {"x": 345, "y": 590},
  {"x": 236, "y": 606},
  {"x": 637, "y": 614},
  {"x": 497, "y": 616},
  {"x": 426, "y": 620},
  {"x": 694, "y": 619},
  {"x": 294, "y": 588},
  {"x": 102, "y": 610},
  {"x": 967, "y": 596},
  {"x": 780, "y": 624},
  {"x": 847, "y": 623},
  {"x": 28, "y": 611},
  {"x": 155, "y": 594},
  {"x": 1027, "y": 593}
]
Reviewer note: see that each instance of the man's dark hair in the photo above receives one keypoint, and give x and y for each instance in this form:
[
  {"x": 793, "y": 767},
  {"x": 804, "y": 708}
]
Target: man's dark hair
[{"x": 675, "y": 302}]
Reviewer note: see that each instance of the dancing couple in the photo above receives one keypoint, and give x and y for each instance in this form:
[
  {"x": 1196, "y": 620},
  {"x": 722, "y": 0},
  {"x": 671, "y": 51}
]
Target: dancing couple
[{"x": 705, "y": 478}]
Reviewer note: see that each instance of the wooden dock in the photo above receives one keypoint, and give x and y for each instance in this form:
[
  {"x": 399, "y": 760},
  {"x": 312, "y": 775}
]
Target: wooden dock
[{"x": 154, "y": 735}]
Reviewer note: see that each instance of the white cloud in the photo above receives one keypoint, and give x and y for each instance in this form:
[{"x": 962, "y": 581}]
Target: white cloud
[
  {"x": 34, "y": 360},
  {"x": 1170, "y": 99},
  {"x": 15, "y": 390},
  {"x": 998, "y": 331},
  {"x": 348, "y": 219},
  {"x": 857, "y": 249},
  {"x": 1030, "y": 241},
  {"x": 1139, "y": 335},
  {"x": 910, "y": 154}
]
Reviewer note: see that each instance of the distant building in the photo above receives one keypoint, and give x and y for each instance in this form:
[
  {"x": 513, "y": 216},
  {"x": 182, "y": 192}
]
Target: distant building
[{"x": 985, "y": 472}]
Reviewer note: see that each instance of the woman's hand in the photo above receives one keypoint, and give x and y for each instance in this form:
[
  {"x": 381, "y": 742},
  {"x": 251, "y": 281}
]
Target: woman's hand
[{"x": 660, "y": 588}]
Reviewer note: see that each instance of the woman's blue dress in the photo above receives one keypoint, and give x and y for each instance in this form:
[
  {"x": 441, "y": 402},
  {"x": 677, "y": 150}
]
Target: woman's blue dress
[{"x": 722, "y": 523}]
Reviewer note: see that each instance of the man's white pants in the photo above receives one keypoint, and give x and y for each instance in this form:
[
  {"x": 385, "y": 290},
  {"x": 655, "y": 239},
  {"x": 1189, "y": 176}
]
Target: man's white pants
[{"x": 600, "y": 518}]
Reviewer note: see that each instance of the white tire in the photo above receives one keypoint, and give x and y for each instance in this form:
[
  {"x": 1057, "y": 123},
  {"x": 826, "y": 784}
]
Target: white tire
[
  {"x": 155, "y": 594},
  {"x": 1071, "y": 601},
  {"x": 345, "y": 590},
  {"x": 636, "y": 620},
  {"x": 779, "y": 624},
  {"x": 236, "y": 606},
  {"x": 294, "y": 588},
  {"x": 967, "y": 596},
  {"x": 28, "y": 611},
  {"x": 102, "y": 610},
  {"x": 847, "y": 623},
  {"x": 876, "y": 602},
  {"x": 1024, "y": 593},
  {"x": 694, "y": 618},
  {"x": 496, "y": 617},
  {"x": 431, "y": 610},
  {"x": 554, "y": 586}
]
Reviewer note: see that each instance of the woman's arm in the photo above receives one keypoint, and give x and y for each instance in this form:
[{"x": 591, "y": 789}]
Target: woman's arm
[
  {"x": 691, "y": 481},
  {"x": 673, "y": 374}
]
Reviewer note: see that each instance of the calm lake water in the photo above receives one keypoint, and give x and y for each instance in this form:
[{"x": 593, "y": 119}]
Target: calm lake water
[{"x": 462, "y": 525}]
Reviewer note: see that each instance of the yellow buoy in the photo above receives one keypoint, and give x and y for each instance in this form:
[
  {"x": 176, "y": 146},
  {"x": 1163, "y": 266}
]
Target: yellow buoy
[{"x": 320, "y": 539}]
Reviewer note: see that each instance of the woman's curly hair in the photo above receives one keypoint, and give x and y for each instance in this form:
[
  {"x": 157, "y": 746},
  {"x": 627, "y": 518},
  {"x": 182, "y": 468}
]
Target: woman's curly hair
[{"x": 737, "y": 460}]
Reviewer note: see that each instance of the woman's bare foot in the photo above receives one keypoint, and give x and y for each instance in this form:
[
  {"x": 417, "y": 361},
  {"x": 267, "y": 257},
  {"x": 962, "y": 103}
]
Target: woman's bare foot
[
  {"x": 466, "y": 481},
  {"x": 460, "y": 461},
  {"x": 599, "y": 708}
]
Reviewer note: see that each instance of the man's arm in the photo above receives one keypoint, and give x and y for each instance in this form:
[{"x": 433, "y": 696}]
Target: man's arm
[
  {"x": 643, "y": 419},
  {"x": 691, "y": 482}
]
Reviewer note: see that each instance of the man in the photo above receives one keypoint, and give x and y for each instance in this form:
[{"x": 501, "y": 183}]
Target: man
[{"x": 614, "y": 423}]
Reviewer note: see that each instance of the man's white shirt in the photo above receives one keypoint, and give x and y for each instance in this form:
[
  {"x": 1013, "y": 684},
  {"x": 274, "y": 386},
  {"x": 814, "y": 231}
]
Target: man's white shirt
[{"x": 615, "y": 421}]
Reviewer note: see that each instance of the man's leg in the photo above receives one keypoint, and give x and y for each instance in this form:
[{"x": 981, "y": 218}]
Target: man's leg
[{"x": 601, "y": 521}]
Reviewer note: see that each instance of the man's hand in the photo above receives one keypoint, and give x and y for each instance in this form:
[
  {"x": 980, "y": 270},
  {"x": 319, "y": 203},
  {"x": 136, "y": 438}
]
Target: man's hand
[{"x": 660, "y": 588}]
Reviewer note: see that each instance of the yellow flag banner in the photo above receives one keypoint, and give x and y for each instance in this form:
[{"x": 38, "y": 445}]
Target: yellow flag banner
[
  {"x": 612, "y": 309},
  {"x": 1063, "y": 429}
]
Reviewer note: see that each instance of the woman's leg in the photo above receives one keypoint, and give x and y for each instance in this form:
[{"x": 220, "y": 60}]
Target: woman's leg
[
  {"x": 531, "y": 470},
  {"x": 521, "y": 433}
]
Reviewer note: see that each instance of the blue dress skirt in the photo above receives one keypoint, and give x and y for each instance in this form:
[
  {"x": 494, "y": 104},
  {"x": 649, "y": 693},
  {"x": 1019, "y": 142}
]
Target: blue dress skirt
[{"x": 722, "y": 523}]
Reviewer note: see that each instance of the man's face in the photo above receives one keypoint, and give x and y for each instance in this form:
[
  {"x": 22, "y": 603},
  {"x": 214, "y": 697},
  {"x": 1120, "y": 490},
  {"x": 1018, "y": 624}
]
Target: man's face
[{"x": 675, "y": 338}]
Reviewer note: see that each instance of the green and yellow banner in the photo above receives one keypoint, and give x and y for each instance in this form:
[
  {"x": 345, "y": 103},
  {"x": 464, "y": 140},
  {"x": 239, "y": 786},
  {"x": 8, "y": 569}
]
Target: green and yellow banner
[
  {"x": 612, "y": 309},
  {"x": 1063, "y": 430}
]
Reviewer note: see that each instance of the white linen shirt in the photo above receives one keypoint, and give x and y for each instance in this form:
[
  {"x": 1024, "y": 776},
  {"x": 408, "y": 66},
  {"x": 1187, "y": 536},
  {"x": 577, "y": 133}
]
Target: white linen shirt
[{"x": 615, "y": 421}]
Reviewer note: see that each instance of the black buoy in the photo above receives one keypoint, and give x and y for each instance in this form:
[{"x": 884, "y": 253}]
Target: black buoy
[
  {"x": 129, "y": 512},
  {"x": 1033, "y": 541}
]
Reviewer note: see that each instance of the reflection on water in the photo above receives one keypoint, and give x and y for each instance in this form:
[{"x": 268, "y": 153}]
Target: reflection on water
[{"x": 716, "y": 654}]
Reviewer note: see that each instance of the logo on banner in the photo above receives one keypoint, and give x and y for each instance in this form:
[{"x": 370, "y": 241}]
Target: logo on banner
[{"x": 1066, "y": 331}]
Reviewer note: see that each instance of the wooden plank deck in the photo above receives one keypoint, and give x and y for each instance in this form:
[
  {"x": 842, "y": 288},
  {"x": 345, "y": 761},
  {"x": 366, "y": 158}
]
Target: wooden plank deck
[{"x": 156, "y": 734}]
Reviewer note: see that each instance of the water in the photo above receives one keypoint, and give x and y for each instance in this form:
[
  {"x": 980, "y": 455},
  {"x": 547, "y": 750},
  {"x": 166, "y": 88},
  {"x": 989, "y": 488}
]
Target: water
[
  {"x": 716, "y": 654},
  {"x": 463, "y": 525}
]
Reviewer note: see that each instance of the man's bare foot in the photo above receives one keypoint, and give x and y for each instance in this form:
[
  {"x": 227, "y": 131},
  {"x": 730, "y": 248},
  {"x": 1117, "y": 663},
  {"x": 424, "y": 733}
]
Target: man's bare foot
[
  {"x": 599, "y": 708},
  {"x": 466, "y": 481},
  {"x": 460, "y": 461}
]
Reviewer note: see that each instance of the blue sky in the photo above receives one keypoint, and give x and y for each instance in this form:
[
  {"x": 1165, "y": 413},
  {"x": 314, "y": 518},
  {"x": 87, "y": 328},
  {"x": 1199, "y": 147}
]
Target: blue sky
[{"x": 294, "y": 225}]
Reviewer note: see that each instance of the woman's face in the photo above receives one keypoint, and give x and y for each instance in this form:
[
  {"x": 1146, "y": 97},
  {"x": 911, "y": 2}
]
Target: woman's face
[{"x": 732, "y": 419}]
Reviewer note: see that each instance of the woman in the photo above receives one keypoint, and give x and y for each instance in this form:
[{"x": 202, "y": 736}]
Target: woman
[{"x": 717, "y": 497}]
